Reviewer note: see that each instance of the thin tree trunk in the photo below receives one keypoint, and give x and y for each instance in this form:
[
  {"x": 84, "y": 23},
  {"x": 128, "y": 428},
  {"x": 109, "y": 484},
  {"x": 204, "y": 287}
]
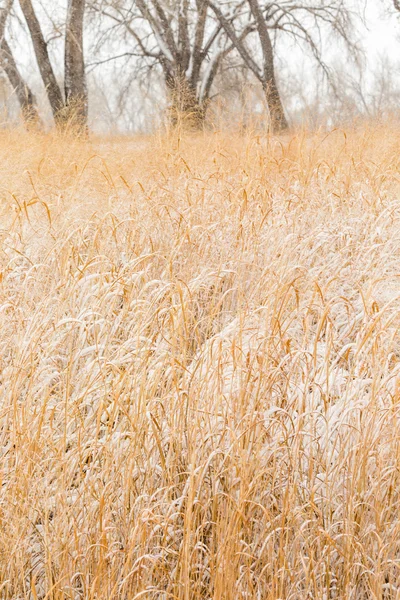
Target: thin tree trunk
[
  {"x": 275, "y": 107},
  {"x": 74, "y": 78},
  {"x": 43, "y": 60},
  {"x": 277, "y": 114},
  {"x": 265, "y": 74},
  {"x": 26, "y": 98}
]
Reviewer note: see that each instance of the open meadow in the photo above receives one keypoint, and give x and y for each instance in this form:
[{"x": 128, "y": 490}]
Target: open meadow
[{"x": 200, "y": 366}]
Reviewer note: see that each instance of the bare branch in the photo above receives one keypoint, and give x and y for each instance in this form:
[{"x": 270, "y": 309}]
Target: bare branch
[{"x": 230, "y": 31}]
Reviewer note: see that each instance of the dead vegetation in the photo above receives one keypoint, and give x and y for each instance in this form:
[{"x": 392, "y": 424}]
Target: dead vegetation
[{"x": 200, "y": 367}]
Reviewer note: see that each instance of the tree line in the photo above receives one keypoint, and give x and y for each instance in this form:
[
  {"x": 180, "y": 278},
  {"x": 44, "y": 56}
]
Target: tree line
[{"x": 188, "y": 43}]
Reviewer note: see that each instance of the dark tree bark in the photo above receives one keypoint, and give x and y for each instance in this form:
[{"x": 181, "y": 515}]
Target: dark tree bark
[
  {"x": 26, "y": 98},
  {"x": 277, "y": 114},
  {"x": 185, "y": 109},
  {"x": 266, "y": 73},
  {"x": 72, "y": 108},
  {"x": 74, "y": 75},
  {"x": 304, "y": 21},
  {"x": 181, "y": 57},
  {"x": 43, "y": 60}
]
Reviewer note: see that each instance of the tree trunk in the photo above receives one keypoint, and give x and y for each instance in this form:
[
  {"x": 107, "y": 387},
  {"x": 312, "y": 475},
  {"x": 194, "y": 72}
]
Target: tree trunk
[
  {"x": 185, "y": 109},
  {"x": 74, "y": 77},
  {"x": 277, "y": 114},
  {"x": 42, "y": 57},
  {"x": 26, "y": 98},
  {"x": 275, "y": 107}
]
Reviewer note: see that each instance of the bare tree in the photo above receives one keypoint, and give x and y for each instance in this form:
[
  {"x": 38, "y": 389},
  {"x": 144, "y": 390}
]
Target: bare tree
[
  {"x": 303, "y": 21},
  {"x": 24, "y": 94},
  {"x": 42, "y": 57},
  {"x": 74, "y": 64},
  {"x": 72, "y": 105},
  {"x": 265, "y": 72},
  {"x": 181, "y": 38}
]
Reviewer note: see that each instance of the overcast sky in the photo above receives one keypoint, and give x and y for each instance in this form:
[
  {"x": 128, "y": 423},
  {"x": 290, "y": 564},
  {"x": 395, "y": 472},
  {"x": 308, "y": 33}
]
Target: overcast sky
[{"x": 383, "y": 33}]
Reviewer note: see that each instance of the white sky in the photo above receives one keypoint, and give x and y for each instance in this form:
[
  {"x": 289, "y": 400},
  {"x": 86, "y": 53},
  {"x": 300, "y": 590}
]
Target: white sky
[{"x": 383, "y": 32}]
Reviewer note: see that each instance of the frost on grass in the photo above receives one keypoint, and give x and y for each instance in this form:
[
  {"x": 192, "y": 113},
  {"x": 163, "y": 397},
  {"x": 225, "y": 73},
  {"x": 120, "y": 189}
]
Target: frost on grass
[{"x": 200, "y": 368}]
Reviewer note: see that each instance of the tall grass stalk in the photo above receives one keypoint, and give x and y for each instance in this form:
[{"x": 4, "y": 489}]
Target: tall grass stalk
[{"x": 200, "y": 367}]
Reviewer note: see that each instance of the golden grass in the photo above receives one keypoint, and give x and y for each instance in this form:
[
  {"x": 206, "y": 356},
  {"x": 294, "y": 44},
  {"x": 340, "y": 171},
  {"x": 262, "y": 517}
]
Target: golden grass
[{"x": 200, "y": 367}]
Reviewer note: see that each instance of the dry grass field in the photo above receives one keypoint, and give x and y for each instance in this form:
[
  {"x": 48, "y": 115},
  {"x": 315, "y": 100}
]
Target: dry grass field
[{"x": 200, "y": 367}]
